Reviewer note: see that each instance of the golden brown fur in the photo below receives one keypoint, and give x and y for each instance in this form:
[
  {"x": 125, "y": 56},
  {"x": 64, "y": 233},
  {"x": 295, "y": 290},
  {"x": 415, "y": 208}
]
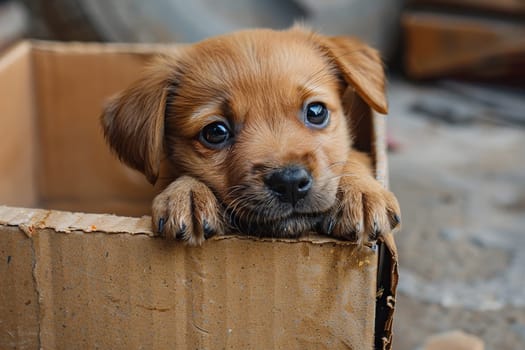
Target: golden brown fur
[{"x": 257, "y": 82}]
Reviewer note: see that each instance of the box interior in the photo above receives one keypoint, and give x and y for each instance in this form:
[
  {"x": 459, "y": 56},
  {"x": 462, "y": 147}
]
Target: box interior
[{"x": 53, "y": 154}]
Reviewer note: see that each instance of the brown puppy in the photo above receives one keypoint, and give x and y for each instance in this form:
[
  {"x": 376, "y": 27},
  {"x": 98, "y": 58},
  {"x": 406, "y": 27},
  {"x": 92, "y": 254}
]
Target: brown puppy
[{"x": 256, "y": 128}]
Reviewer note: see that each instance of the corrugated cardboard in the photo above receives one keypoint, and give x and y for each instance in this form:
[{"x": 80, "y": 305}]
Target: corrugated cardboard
[{"x": 85, "y": 281}]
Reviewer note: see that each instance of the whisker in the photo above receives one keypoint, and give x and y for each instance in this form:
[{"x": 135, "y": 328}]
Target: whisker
[{"x": 339, "y": 176}]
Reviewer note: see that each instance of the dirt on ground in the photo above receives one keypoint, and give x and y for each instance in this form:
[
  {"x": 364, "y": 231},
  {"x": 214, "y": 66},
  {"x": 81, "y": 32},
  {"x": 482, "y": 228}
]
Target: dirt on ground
[{"x": 462, "y": 245}]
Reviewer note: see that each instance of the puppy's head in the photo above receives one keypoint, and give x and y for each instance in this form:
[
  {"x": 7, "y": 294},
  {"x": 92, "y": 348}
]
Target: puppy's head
[{"x": 256, "y": 115}]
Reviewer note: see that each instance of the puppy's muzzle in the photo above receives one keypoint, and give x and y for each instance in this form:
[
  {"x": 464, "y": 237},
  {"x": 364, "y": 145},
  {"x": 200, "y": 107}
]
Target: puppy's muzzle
[{"x": 290, "y": 184}]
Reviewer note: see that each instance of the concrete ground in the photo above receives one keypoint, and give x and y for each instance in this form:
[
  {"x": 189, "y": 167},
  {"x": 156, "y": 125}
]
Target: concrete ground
[{"x": 462, "y": 245}]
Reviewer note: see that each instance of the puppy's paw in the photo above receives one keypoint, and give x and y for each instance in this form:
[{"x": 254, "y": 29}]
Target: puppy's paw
[
  {"x": 187, "y": 210},
  {"x": 364, "y": 211}
]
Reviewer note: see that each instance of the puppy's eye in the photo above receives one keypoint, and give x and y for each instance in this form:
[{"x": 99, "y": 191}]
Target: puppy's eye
[
  {"x": 215, "y": 135},
  {"x": 316, "y": 115}
]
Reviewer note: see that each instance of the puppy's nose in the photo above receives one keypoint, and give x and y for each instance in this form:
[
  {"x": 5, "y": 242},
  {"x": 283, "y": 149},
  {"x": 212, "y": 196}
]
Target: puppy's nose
[{"x": 291, "y": 183}]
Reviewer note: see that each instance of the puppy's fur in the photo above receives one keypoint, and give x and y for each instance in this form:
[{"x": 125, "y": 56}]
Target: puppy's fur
[{"x": 258, "y": 83}]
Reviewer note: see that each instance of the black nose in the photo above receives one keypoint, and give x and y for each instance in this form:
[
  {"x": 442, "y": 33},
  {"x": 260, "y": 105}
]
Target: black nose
[{"x": 291, "y": 183}]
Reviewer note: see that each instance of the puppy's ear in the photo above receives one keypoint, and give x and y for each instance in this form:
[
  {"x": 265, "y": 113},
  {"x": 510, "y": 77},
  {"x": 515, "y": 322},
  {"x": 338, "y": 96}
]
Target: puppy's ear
[
  {"x": 361, "y": 67},
  {"x": 133, "y": 121}
]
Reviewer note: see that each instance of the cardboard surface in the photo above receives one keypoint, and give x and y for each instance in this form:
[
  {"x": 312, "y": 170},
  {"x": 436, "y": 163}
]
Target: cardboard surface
[
  {"x": 513, "y": 7},
  {"x": 442, "y": 44},
  {"x": 99, "y": 288},
  {"x": 19, "y": 304},
  {"x": 71, "y": 89},
  {"x": 84, "y": 281},
  {"x": 17, "y": 158}
]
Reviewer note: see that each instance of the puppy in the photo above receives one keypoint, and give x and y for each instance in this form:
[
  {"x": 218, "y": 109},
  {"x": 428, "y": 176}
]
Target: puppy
[{"x": 258, "y": 127}]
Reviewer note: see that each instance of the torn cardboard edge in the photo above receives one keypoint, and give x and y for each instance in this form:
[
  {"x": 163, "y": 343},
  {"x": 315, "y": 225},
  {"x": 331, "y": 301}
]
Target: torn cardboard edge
[
  {"x": 387, "y": 280},
  {"x": 68, "y": 222}
]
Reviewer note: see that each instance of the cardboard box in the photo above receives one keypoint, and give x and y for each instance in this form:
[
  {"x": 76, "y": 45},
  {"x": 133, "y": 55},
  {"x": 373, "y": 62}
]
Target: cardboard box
[
  {"x": 72, "y": 281},
  {"x": 440, "y": 44},
  {"x": 511, "y": 7}
]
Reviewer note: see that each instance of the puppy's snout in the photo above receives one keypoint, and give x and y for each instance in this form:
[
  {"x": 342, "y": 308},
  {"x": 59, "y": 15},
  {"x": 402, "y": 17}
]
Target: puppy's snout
[{"x": 291, "y": 183}]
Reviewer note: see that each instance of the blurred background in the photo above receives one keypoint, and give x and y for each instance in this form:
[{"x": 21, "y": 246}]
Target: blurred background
[{"x": 456, "y": 132}]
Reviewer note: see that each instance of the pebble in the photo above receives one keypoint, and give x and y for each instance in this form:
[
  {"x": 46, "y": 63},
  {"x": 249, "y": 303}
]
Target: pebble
[{"x": 453, "y": 340}]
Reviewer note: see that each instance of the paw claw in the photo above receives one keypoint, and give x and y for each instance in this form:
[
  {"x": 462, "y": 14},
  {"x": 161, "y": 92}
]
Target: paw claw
[
  {"x": 375, "y": 228},
  {"x": 396, "y": 219},
  {"x": 162, "y": 221},
  {"x": 207, "y": 229},
  {"x": 328, "y": 225},
  {"x": 181, "y": 232},
  {"x": 357, "y": 228}
]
